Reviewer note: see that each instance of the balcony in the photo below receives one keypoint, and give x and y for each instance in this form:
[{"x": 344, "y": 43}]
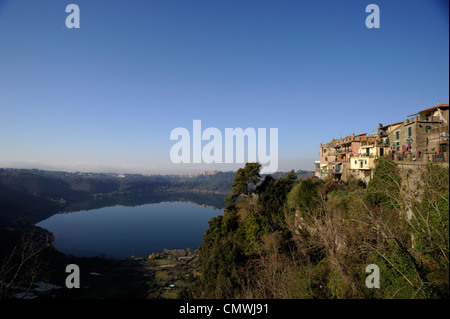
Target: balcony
[
  {"x": 383, "y": 143},
  {"x": 432, "y": 119},
  {"x": 341, "y": 151},
  {"x": 439, "y": 130}
]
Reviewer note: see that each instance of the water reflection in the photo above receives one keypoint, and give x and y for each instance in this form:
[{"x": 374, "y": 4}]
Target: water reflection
[{"x": 120, "y": 231}]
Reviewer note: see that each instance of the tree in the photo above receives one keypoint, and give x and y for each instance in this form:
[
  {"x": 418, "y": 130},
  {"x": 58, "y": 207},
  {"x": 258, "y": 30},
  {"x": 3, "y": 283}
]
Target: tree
[
  {"x": 273, "y": 194},
  {"x": 23, "y": 265},
  {"x": 385, "y": 186},
  {"x": 243, "y": 180}
]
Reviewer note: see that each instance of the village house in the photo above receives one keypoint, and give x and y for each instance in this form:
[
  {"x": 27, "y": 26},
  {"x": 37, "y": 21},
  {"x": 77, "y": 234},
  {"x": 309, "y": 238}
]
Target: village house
[
  {"x": 436, "y": 136},
  {"x": 361, "y": 163},
  {"x": 413, "y": 136},
  {"x": 389, "y": 137},
  {"x": 349, "y": 146},
  {"x": 438, "y": 112},
  {"x": 327, "y": 160},
  {"x": 335, "y": 155},
  {"x": 369, "y": 147},
  {"x": 422, "y": 137}
]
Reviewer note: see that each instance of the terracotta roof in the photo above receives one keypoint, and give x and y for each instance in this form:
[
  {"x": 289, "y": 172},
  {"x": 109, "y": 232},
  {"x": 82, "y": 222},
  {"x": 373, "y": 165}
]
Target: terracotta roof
[{"x": 434, "y": 107}]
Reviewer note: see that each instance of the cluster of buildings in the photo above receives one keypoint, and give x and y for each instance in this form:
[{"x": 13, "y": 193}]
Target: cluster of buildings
[
  {"x": 421, "y": 138},
  {"x": 205, "y": 173}
]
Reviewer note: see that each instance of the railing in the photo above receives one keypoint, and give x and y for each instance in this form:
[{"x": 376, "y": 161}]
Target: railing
[
  {"x": 370, "y": 143},
  {"x": 433, "y": 119},
  {"x": 366, "y": 156},
  {"x": 405, "y": 157},
  {"x": 443, "y": 129},
  {"x": 337, "y": 169},
  {"x": 438, "y": 158},
  {"x": 381, "y": 143}
]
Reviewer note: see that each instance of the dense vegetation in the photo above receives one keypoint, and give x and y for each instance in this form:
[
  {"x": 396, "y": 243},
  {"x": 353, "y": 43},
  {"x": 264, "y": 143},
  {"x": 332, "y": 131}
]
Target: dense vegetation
[
  {"x": 282, "y": 236},
  {"x": 27, "y": 254},
  {"x": 289, "y": 238}
]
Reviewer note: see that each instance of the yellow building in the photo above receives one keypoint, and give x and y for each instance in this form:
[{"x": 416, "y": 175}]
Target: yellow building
[
  {"x": 362, "y": 163},
  {"x": 368, "y": 150}
]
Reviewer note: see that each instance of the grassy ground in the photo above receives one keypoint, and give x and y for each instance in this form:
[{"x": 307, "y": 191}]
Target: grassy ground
[{"x": 168, "y": 282}]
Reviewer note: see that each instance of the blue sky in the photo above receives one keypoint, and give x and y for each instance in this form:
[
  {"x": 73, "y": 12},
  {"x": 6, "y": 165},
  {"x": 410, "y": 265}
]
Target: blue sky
[{"x": 105, "y": 97}]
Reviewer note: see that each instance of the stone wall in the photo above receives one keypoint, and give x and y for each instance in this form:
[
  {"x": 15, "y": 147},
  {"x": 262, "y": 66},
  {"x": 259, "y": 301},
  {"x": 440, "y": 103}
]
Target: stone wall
[
  {"x": 413, "y": 174},
  {"x": 348, "y": 173}
]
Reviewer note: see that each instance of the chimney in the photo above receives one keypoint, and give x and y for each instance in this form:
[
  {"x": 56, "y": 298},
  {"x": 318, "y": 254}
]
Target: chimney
[{"x": 416, "y": 118}]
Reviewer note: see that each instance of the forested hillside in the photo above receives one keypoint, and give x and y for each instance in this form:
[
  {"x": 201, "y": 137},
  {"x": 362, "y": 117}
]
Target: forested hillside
[
  {"x": 31, "y": 195},
  {"x": 289, "y": 238}
]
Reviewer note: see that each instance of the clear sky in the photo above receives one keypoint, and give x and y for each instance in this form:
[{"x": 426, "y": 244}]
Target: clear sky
[{"x": 106, "y": 96}]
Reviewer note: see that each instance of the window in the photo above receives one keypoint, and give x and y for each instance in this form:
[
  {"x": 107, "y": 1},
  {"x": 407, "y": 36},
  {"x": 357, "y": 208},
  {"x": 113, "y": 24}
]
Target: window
[
  {"x": 365, "y": 162},
  {"x": 360, "y": 164},
  {"x": 427, "y": 140},
  {"x": 427, "y": 128},
  {"x": 356, "y": 162},
  {"x": 409, "y": 131},
  {"x": 397, "y": 135}
]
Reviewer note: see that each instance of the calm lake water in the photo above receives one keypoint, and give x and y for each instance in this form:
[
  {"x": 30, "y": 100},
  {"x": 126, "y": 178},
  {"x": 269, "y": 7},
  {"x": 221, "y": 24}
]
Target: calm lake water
[{"x": 121, "y": 231}]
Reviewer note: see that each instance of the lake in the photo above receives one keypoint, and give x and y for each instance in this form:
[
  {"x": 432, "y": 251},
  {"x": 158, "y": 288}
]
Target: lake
[{"x": 123, "y": 231}]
